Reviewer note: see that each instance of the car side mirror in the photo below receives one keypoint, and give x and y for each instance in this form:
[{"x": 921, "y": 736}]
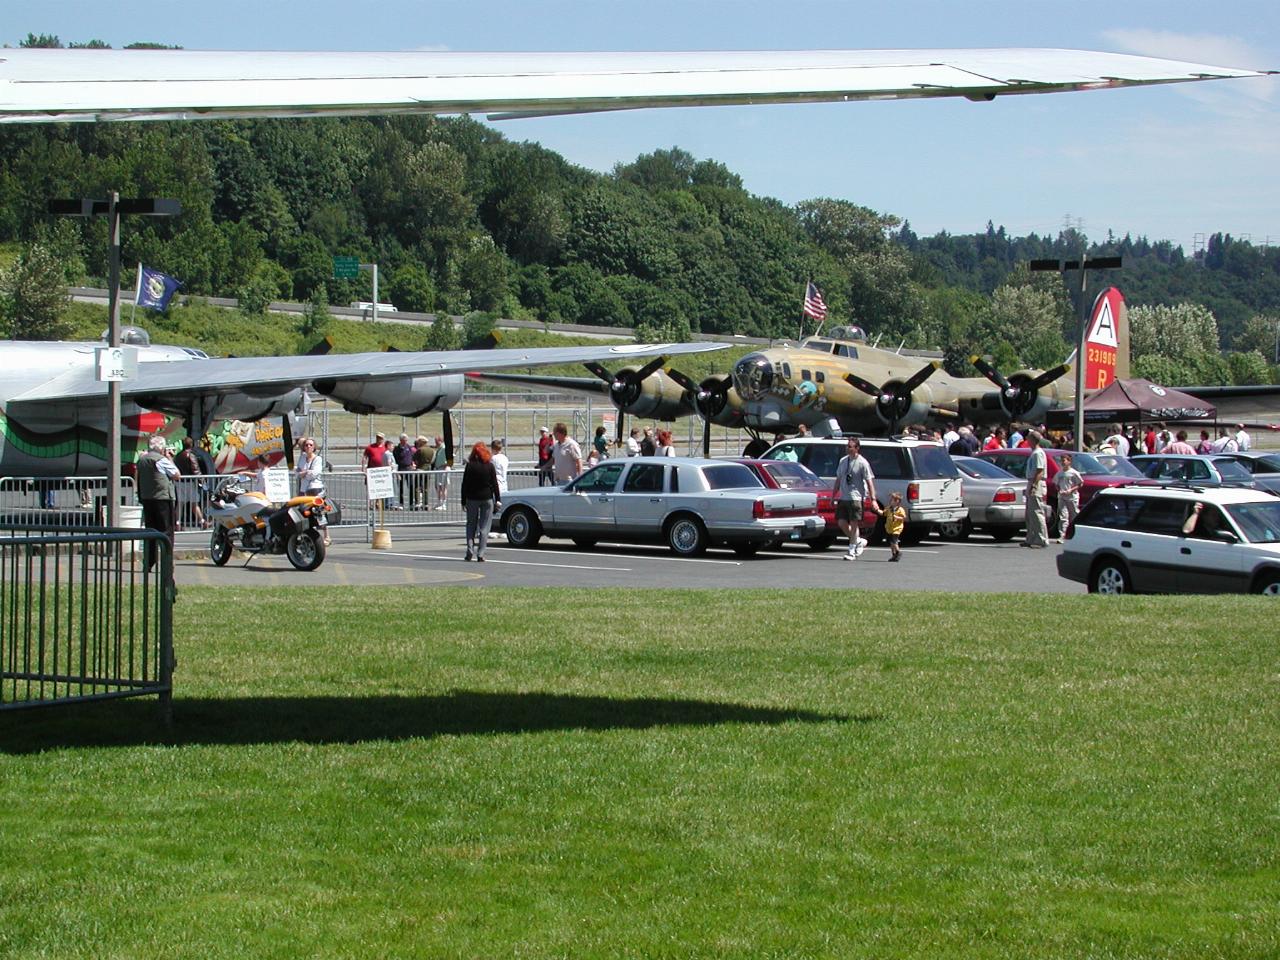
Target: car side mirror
[{"x": 1225, "y": 536}]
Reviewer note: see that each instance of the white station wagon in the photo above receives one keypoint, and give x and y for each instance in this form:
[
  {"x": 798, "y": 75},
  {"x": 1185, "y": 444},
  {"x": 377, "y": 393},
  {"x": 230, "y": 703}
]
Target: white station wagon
[
  {"x": 1142, "y": 539},
  {"x": 687, "y": 502}
]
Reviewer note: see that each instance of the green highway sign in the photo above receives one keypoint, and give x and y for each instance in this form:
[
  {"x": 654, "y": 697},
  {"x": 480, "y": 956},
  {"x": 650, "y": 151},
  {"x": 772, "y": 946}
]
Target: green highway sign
[{"x": 346, "y": 268}]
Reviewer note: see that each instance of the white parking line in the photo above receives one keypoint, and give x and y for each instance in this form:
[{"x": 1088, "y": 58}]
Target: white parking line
[
  {"x": 518, "y": 563},
  {"x": 642, "y": 556}
]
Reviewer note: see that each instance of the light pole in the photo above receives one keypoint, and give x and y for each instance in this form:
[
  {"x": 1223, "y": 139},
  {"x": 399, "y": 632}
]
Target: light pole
[
  {"x": 1082, "y": 325},
  {"x": 112, "y": 208}
]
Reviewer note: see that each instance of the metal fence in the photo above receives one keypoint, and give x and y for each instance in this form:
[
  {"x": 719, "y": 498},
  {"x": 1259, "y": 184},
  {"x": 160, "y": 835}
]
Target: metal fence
[
  {"x": 84, "y": 616},
  {"x": 61, "y": 502}
]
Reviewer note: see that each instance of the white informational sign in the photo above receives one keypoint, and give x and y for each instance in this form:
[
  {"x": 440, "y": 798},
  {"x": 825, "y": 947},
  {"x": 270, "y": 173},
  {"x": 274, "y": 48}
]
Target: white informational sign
[
  {"x": 276, "y": 483},
  {"x": 379, "y": 481},
  {"x": 116, "y": 363},
  {"x": 610, "y": 423}
]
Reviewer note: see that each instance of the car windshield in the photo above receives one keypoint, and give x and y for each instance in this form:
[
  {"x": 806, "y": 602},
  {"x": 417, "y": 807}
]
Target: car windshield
[
  {"x": 933, "y": 463},
  {"x": 1085, "y": 464},
  {"x": 980, "y": 469},
  {"x": 787, "y": 475},
  {"x": 1259, "y": 522},
  {"x": 731, "y": 476},
  {"x": 1119, "y": 466}
]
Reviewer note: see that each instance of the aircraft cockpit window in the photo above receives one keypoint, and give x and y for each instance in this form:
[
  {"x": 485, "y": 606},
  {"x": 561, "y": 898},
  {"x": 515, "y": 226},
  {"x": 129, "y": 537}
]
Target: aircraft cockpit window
[
  {"x": 819, "y": 377},
  {"x": 786, "y": 370},
  {"x": 844, "y": 350}
]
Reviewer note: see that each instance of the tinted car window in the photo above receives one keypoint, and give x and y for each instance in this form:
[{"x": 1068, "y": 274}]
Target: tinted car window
[
  {"x": 1231, "y": 470},
  {"x": 889, "y": 463},
  {"x": 933, "y": 463},
  {"x": 1267, "y": 464},
  {"x": 822, "y": 458},
  {"x": 1112, "y": 513},
  {"x": 1084, "y": 463},
  {"x": 730, "y": 476},
  {"x": 1012, "y": 462},
  {"x": 600, "y": 479},
  {"x": 644, "y": 478},
  {"x": 1162, "y": 516},
  {"x": 1119, "y": 466}
]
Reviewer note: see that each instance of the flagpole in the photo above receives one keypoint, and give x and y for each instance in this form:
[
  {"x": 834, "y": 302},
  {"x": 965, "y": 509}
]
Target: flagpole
[
  {"x": 802, "y": 300},
  {"x": 137, "y": 292}
]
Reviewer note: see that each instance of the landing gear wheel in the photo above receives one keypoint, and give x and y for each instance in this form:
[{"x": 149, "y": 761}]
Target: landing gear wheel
[
  {"x": 1110, "y": 578},
  {"x": 687, "y": 537},
  {"x": 220, "y": 547},
  {"x": 523, "y": 528},
  {"x": 305, "y": 549},
  {"x": 955, "y": 530}
]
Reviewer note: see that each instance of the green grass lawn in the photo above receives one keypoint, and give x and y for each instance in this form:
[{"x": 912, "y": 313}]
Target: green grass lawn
[{"x": 556, "y": 773}]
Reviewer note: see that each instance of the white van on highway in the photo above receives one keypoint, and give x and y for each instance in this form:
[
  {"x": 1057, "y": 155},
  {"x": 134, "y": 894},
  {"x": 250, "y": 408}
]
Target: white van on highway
[{"x": 366, "y": 306}]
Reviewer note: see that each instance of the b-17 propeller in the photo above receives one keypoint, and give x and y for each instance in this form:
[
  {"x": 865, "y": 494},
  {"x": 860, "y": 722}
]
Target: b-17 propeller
[
  {"x": 893, "y": 397},
  {"x": 1019, "y": 395},
  {"x": 625, "y": 385}
]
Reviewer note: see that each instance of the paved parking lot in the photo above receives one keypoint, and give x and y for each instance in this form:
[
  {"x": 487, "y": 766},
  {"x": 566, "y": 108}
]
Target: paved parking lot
[{"x": 425, "y": 556}]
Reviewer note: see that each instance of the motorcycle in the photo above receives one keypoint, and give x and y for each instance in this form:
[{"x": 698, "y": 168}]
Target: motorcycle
[{"x": 245, "y": 518}]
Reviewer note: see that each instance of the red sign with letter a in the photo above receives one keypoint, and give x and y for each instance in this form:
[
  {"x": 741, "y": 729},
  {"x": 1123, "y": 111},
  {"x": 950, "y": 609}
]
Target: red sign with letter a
[{"x": 1103, "y": 339}]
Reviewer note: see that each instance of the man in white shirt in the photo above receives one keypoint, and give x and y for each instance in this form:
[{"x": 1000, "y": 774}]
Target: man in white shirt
[
  {"x": 1120, "y": 442},
  {"x": 1037, "y": 489},
  {"x": 633, "y": 443},
  {"x": 1242, "y": 438},
  {"x": 950, "y": 437},
  {"x": 566, "y": 455},
  {"x": 1225, "y": 442}
]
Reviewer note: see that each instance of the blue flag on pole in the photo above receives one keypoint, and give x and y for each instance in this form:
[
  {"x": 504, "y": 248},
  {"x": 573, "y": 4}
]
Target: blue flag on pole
[{"x": 155, "y": 289}]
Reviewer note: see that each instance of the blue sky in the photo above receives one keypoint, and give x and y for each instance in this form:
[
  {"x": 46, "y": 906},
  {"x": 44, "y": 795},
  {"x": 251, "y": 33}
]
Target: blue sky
[{"x": 1169, "y": 162}]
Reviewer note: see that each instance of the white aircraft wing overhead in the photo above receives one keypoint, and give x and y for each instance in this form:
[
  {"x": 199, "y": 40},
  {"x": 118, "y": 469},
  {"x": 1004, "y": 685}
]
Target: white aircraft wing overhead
[
  {"x": 273, "y": 376},
  {"x": 68, "y": 85}
]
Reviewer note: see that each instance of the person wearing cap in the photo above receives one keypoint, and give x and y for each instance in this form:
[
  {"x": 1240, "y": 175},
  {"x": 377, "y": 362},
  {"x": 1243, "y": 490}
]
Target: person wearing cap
[
  {"x": 545, "y": 464},
  {"x": 372, "y": 456}
]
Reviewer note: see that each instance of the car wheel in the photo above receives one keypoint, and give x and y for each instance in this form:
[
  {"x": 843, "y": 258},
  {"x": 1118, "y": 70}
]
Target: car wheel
[
  {"x": 586, "y": 543},
  {"x": 220, "y": 547},
  {"x": 1003, "y": 534},
  {"x": 824, "y": 542},
  {"x": 746, "y": 549},
  {"x": 1268, "y": 585},
  {"x": 523, "y": 528},
  {"x": 305, "y": 549},
  {"x": 687, "y": 536},
  {"x": 955, "y": 530},
  {"x": 1110, "y": 577}
]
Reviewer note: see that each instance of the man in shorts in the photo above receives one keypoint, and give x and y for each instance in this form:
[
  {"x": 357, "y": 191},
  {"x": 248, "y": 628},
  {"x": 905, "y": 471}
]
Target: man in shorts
[{"x": 854, "y": 488}]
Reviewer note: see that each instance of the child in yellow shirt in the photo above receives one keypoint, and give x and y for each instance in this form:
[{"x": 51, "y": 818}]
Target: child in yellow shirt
[{"x": 895, "y": 518}]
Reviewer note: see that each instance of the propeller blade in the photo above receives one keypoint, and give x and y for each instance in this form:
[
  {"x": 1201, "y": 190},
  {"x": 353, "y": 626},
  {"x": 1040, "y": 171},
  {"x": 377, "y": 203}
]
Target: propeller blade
[
  {"x": 921, "y": 375},
  {"x": 655, "y": 364},
  {"x": 706, "y": 437},
  {"x": 621, "y": 428},
  {"x": 287, "y": 439},
  {"x": 1049, "y": 376},
  {"x": 990, "y": 372},
  {"x": 866, "y": 386},
  {"x": 599, "y": 371},
  {"x": 683, "y": 380},
  {"x": 447, "y": 424}
]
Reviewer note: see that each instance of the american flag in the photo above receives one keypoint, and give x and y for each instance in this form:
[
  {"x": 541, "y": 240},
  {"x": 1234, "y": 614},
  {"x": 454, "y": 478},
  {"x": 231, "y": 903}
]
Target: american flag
[{"x": 814, "y": 306}]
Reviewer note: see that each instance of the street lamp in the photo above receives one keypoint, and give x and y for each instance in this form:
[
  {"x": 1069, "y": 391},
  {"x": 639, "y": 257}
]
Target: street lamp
[
  {"x": 1082, "y": 327},
  {"x": 112, "y": 208}
]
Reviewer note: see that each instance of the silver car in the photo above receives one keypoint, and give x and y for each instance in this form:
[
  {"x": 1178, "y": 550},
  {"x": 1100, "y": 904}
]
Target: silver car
[
  {"x": 687, "y": 502},
  {"x": 996, "y": 500}
]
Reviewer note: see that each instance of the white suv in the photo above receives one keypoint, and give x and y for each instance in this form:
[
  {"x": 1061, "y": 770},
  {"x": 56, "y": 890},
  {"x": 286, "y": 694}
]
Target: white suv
[
  {"x": 1132, "y": 539},
  {"x": 932, "y": 488}
]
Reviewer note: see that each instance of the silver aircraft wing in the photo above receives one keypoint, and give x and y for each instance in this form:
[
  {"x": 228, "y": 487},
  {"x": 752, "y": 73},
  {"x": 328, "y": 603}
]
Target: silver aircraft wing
[
  {"x": 273, "y": 376},
  {"x": 38, "y": 85}
]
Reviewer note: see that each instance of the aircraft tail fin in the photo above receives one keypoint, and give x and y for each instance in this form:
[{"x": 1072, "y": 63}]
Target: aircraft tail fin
[{"x": 1107, "y": 341}]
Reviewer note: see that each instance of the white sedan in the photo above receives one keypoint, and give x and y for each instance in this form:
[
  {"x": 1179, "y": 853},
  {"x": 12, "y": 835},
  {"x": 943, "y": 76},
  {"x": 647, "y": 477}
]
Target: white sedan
[{"x": 688, "y": 503}]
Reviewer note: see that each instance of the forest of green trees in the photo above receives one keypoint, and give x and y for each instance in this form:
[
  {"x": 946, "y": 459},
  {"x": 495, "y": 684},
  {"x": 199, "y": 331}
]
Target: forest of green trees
[{"x": 462, "y": 219}]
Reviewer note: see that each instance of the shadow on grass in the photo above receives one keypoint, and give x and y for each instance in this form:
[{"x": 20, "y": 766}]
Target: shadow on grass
[{"x": 321, "y": 720}]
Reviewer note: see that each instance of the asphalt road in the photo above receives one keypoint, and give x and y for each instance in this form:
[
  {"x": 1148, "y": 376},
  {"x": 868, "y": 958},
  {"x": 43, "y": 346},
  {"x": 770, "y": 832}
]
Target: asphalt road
[{"x": 428, "y": 556}]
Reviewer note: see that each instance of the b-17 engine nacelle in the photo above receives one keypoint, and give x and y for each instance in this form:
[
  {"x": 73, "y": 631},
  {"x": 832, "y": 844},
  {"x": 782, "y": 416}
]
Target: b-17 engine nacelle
[
  {"x": 656, "y": 397},
  {"x": 403, "y": 396},
  {"x": 718, "y": 402}
]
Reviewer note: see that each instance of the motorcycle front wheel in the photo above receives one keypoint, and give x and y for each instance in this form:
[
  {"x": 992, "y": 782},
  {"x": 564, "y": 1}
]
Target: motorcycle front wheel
[
  {"x": 220, "y": 547},
  {"x": 305, "y": 549}
]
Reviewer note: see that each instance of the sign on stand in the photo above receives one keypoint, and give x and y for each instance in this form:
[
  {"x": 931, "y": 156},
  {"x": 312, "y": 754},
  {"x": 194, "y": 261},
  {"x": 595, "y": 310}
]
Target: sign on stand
[
  {"x": 276, "y": 483},
  {"x": 379, "y": 482}
]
